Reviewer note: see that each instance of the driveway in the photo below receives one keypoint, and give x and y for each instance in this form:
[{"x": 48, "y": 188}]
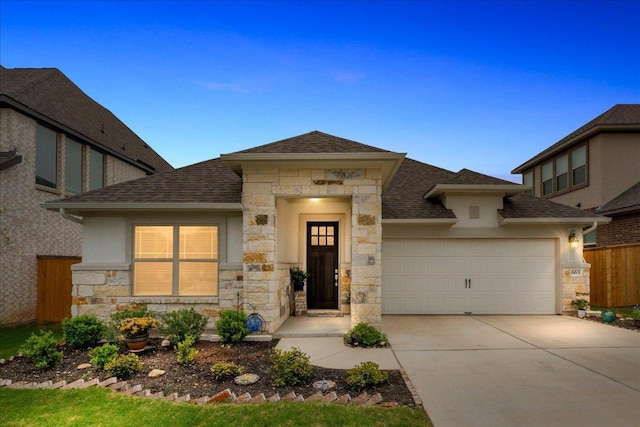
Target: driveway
[{"x": 519, "y": 370}]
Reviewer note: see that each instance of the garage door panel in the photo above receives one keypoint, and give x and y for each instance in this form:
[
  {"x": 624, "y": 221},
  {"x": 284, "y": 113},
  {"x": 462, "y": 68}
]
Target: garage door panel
[{"x": 507, "y": 276}]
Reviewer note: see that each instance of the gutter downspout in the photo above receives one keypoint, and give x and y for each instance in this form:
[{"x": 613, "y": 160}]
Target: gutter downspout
[
  {"x": 65, "y": 215},
  {"x": 590, "y": 229}
]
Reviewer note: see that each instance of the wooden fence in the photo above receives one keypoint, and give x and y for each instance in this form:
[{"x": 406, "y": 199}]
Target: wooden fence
[
  {"x": 615, "y": 275},
  {"x": 54, "y": 288}
]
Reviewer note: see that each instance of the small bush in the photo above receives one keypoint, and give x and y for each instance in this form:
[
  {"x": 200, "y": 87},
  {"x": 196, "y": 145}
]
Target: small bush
[
  {"x": 224, "y": 370},
  {"x": 365, "y": 335},
  {"x": 112, "y": 332},
  {"x": 42, "y": 349},
  {"x": 102, "y": 355},
  {"x": 365, "y": 375},
  {"x": 232, "y": 325},
  {"x": 181, "y": 323},
  {"x": 82, "y": 331},
  {"x": 289, "y": 367},
  {"x": 124, "y": 366},
  {"x": 185, "y": 350}
]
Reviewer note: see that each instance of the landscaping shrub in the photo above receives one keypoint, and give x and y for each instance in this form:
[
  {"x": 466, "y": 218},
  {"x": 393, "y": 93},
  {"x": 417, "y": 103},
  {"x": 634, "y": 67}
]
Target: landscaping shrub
[
  {"x": 112, "y": 332},
  {"x": 42, "y": 349},
  {"x": 232, "y": 325},
  {"x": 289, "y": 367},
  {"x": 365, "y": 375},
  {"x": 365, "y": 335},
  {"x": 185, "y": 350},
  {"x": 181, "y": 323},
  {"x": 224, "y": 370},
  {"x": 124, "y": 366},
  {"x": 102, "y": 355},
  {"x": 82, "y": 331}
]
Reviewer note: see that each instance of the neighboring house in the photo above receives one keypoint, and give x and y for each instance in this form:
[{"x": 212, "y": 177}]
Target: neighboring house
[
  {"x": 400, "y": 235},
  {"x": 591, "y": 167},
  {"x": 55, "y": 141}
]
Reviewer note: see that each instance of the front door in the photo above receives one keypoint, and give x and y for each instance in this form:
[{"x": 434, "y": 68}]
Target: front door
[{"x": 322, "y": 264}]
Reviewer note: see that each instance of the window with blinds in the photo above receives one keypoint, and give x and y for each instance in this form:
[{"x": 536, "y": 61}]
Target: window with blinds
[{"x": 180, "y": 260}]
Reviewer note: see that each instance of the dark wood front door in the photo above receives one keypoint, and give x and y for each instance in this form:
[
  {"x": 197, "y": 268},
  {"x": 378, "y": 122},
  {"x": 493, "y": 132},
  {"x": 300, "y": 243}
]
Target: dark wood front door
[{"x": 322, "y": 264}]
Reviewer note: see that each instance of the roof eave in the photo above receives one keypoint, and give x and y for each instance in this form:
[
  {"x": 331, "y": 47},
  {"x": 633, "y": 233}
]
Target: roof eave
[
  {"x": 552, "y": 221},
  {"x": 544, "y": 155},
  {"x": 428, "y": 221},
  {"x": 620, "y": 211},
  {"x": 505, "y": 190},
  {"x": 79, "y": 208}
]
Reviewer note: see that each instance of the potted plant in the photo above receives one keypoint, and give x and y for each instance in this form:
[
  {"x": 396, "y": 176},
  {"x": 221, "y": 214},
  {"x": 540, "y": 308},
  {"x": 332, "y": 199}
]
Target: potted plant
[
  {"x": 298, "y": 278},
  {"x": 345, "y": 303},
  {"x": 582, "y": 305},
  {"x": 136, "y": 331}
]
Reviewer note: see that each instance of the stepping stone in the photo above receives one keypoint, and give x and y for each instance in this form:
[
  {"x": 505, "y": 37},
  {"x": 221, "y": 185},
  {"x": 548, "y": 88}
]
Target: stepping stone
[
  {"x": 315, "y": 397},
  {"x": 330, "y": 397},
  {"x": 343, "y": 400},
  {"x": 246, "y": 379},
  {"x": 324, "y": 385}
]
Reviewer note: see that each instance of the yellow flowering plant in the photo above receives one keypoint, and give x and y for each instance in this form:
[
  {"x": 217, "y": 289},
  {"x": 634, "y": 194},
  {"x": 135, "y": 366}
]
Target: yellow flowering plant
[{"x": 137, "y": 325}]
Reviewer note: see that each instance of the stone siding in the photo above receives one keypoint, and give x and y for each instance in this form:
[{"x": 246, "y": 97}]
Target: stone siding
[
  {"x": 102, "y": 293},
  {"x": 574, "y": 287},
  {"x": 26, "y": 229},
  {"x": 263, "y": 284}
]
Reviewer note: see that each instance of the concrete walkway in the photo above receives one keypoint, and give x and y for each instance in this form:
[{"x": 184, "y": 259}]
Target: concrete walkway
[{"x": 519, "y": 370}]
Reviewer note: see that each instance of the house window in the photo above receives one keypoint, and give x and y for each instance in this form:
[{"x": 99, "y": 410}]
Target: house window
[
  {"x": 73, "y": 167},
  {"x": 180, "y": 260},
  {"x": 547, "y": 179},
  {"x": 96, "y": 169},
  {"x": 562, "y": 173},
  {"x": 46, "y": 157},
  {"x": 527, "y": 179},
  {"x": 579, "y": 165},
  {"x": 589, "y": 239}
]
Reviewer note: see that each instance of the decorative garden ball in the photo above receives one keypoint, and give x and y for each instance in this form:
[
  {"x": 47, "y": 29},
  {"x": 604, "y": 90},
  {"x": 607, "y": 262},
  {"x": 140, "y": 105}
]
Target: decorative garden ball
[{"x": 608, "y": 316}]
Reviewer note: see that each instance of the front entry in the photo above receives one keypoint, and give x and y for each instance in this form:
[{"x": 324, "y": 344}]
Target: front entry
[{"x": 322, "y": 264}]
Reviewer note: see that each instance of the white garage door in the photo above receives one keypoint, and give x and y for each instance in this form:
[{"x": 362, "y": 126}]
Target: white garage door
[{"x": 481, "y": 276}]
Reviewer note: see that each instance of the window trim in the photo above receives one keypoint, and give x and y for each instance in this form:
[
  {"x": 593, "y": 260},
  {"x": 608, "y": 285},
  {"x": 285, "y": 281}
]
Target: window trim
[
  {"x": 175, "y": 259},
  {"x": 554, "y": 180}
]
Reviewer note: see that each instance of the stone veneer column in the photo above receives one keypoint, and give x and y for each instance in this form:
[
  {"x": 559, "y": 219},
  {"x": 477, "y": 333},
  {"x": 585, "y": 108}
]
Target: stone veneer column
[
  {"x": 261, "y": 280},
  {"x": 366, "y": 252},
  {"x": 576, "y": 286}
]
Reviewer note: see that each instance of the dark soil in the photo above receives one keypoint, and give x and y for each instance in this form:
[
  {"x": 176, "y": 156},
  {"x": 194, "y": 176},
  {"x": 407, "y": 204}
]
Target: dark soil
[{"x": 195, "y": 378}]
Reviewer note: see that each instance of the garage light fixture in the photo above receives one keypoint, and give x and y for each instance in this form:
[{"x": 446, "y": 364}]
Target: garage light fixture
[{"x": 573, "y": 240}]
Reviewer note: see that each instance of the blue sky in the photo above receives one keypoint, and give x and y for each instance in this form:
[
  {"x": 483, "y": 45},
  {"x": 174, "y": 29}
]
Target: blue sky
[{"x": 483, "y": 85}]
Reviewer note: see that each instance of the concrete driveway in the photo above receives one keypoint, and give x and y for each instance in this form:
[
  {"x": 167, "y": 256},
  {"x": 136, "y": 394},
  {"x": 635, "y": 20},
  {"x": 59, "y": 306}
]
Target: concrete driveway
[{"x": 519, "y": 370}]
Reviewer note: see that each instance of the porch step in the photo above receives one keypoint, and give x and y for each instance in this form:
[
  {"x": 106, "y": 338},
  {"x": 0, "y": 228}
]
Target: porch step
[{"x": 324, "y": 313}]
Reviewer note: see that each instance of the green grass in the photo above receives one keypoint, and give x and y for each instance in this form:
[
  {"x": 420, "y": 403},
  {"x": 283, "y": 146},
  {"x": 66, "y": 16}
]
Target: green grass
[
  {"x": 12, "y": 337},
  {"x": 624, "y": 311},
  {"x": 101, "y": 407}
]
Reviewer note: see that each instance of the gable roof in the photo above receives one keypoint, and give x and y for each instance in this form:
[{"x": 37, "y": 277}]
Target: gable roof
[
  {"x": 620, "y": 117},
  {"x": 314, "y": 142},
  {"x": 526, "y": 206},
  {"x": 50, "y": 97},
  {"x": 627, "y": 201}
]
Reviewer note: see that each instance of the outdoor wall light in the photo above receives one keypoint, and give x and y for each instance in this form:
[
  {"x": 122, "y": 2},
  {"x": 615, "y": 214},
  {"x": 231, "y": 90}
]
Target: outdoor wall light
[{"x": 573, "y": 240}]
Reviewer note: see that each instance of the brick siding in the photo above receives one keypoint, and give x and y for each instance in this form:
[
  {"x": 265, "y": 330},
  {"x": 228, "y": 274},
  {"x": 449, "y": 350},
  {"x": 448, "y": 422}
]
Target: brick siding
[{"x": 622, "y": 230}]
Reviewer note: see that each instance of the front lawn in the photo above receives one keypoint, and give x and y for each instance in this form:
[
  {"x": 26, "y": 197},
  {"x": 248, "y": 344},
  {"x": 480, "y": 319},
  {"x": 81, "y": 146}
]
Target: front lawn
[
  {"x": 12, "y": 337},
  {"x": 101, "y": 407}
]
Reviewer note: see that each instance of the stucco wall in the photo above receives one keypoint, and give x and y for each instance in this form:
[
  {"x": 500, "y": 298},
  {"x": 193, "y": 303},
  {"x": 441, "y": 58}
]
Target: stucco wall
[{"x": 26, "y": 229}]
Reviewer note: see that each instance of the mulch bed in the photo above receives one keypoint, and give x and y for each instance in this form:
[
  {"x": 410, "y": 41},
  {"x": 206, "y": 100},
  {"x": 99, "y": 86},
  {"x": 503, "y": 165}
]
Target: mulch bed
[
  {"x": 195, "y": 378},
  {"x": 625, "y": 323}
]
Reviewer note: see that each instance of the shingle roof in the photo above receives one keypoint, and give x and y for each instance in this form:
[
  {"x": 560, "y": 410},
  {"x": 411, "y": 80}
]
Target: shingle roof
[
  {"x": 214, "y": 182},
  {"x": 205, "y": 182},
  {"x": 619, "y": 117},
  {"x": 404, "y": 197},
  {"x": 48, "y": 93},
  {"x": 627, "y": 201},
  {"x": 314, "y": 142},
  {"x": 527, "y": 206}
]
